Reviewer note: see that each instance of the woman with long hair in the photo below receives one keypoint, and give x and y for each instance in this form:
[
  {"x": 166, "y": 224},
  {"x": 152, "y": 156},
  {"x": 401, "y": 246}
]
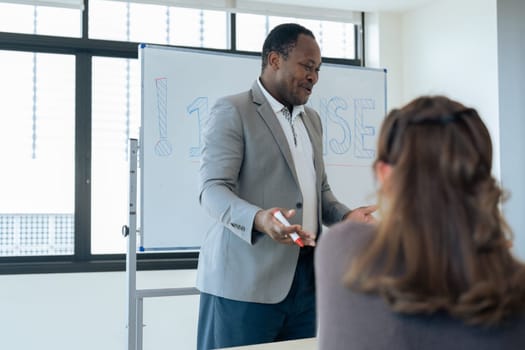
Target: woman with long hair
[{"x": 436, "y": 271}]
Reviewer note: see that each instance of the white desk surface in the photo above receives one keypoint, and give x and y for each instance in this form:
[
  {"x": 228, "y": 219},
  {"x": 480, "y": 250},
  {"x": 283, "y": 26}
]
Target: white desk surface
[{"x": 301, "y": 344}]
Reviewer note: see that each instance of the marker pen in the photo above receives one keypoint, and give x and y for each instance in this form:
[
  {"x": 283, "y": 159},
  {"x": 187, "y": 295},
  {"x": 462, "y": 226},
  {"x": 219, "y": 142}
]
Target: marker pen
[{"x": 294, "y": 236}]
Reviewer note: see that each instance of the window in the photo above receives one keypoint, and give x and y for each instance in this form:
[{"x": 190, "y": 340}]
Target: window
[
  {"x": 70, "y": 100},
  {"x": 335, "y": 39},
  {"x": 115, "y": 118},
  {"x": 43, "y": 20},
  {"x": 37, "y": 128},
  {"x": 156, "y": 24}
]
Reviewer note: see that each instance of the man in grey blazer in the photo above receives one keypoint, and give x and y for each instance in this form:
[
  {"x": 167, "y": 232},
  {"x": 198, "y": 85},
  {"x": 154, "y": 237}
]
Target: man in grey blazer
[{"x": 263, "y": 152}]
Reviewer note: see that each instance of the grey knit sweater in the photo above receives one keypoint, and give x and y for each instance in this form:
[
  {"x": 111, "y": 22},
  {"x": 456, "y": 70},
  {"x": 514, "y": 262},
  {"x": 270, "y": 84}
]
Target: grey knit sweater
[{"x": 352, "y": 320}]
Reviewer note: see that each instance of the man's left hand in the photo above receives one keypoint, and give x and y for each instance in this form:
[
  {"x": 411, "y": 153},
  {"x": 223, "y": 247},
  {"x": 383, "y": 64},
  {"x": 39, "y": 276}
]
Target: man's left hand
[{"x": 363, "y": 214}]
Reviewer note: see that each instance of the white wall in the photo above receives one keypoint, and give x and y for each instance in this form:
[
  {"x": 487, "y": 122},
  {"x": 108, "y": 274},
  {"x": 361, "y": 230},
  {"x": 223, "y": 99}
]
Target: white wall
[
  {"x": 87, "y": 311},
  {"x": 447, "y": 47},
  {"x": 450, "y": 47},
  {"x": 383, "y": 46},
  {"x": 511, "y": 45}
]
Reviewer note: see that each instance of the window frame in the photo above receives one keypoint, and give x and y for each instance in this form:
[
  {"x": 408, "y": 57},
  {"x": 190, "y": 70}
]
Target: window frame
[{"x": 84, "y": 49}]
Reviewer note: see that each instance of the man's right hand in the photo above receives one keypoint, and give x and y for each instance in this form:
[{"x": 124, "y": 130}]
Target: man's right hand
[{"x": 267, "y": 223}]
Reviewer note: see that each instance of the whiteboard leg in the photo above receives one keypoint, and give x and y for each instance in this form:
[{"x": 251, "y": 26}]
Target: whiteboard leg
[
  {"x": 131, "y": 254},
  {"x": 140, "y": 325}
]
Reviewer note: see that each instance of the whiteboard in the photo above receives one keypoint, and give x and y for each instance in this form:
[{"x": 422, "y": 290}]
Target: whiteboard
[{"x": 179, "y": 87}]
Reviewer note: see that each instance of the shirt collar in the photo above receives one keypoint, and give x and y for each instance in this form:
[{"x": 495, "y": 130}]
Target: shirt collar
[{"x": 276, "y": 105}]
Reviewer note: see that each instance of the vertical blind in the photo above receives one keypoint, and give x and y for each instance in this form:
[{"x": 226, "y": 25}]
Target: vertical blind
[{"x": 266, "y": 8}]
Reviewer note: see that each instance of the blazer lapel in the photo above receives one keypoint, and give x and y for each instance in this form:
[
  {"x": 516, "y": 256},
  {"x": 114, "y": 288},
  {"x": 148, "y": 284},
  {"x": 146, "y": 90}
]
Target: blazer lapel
[{"x": 265, "y": 111}]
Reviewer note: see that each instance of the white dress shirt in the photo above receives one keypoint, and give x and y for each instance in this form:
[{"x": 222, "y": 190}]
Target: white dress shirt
[{"x": 303, "y": 158}]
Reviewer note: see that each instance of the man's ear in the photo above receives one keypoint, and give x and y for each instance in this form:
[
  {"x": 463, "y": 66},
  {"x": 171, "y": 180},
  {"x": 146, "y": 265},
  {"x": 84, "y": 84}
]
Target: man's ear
[
  {"x": 383, "y": 171},
  {"x": 274, "y": 60}
]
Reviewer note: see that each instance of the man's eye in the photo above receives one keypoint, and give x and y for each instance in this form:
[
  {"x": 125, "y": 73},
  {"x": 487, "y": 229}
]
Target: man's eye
[{"x": 308, "y": 68}]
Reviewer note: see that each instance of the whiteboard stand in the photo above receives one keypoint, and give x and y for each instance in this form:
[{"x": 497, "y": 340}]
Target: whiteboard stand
[{"x": 136, "y": 297}]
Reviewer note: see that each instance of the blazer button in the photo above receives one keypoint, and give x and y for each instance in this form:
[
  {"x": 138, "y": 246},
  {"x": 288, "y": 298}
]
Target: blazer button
[{"x": 299, "y": 205}]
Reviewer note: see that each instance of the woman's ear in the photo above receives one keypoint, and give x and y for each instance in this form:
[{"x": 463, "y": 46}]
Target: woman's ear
[{"x": 383, "y": 171}]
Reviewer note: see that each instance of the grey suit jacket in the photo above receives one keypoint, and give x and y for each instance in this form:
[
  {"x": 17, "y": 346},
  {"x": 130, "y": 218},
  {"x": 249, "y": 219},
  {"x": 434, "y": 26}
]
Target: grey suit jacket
[{"x": 246, "y": 166}]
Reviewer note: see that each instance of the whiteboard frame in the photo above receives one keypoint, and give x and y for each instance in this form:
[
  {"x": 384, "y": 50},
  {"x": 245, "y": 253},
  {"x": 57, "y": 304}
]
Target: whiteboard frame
[{"x": 327, "y": 63}]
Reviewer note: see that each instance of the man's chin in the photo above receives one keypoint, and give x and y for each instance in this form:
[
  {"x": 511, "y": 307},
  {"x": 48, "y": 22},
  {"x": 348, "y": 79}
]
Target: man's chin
[{"x": 302, "y": 100}]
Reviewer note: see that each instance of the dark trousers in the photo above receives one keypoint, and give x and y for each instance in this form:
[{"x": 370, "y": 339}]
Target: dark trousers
[{"x": 225, "y": 322}]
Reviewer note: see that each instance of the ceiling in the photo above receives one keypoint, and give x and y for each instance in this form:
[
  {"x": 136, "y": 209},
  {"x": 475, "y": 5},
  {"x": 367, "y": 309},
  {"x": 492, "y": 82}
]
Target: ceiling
[{"x": 359, "y": 5}]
